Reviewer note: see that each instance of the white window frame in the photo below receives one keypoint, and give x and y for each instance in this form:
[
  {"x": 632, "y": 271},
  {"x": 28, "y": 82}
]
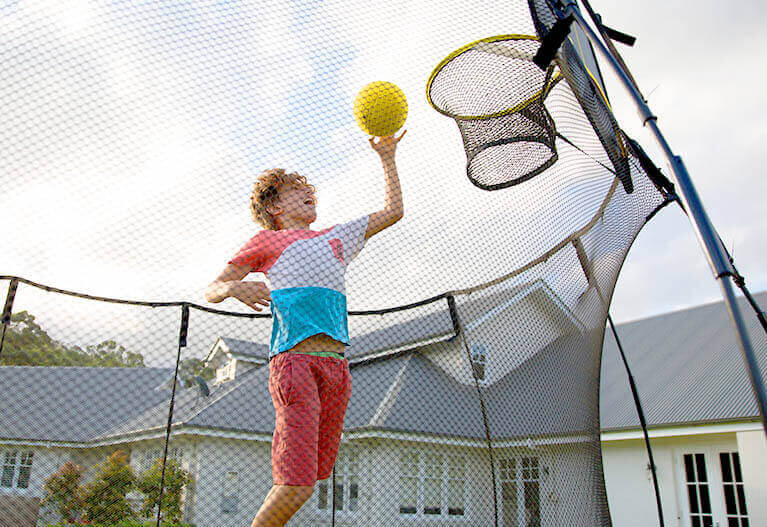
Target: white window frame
[
  {"x": 524, "y": 469},
  {"x": 16, "y": 460},
  {"x": 348, "y": 475},
  {"x": 424, "y": 471},
  {"x": 738, "y": 489},
  {"x": 230, "y": 492},
  {"x": 715, "y": 485},
  {"x": 152, "y": 454}
]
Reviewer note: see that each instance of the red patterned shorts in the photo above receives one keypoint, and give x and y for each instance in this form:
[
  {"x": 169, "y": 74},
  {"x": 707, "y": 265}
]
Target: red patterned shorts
[{"x": 310, "y": 395}]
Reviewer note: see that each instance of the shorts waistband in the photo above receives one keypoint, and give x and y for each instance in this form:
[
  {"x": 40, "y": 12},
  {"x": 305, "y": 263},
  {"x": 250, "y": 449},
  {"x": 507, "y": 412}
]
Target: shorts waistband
[{"x": 331, "y": 354}]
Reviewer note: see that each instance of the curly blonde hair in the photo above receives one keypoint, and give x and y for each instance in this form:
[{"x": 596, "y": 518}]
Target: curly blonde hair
[{"x": 266, "y": 191}]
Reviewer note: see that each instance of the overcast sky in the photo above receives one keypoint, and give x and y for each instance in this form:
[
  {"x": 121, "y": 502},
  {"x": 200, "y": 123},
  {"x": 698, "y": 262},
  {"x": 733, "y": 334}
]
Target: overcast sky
[
  {"x": 696, "y": 64},
  {"x": 132, "y": 133}
]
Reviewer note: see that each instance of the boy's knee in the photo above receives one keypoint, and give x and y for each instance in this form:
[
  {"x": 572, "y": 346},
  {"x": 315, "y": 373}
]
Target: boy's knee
[
  {"x": 306, "y": 492},
  {"x": 296, "y": 493}
]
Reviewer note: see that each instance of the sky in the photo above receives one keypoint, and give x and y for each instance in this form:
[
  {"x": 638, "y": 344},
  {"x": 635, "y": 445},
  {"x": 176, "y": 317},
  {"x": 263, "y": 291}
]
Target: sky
[{"x": 133, "y": 132}]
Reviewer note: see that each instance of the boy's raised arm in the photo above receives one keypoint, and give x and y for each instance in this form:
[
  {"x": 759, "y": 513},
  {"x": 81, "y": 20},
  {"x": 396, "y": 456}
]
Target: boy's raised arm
[{"x": 394, "y": 208}]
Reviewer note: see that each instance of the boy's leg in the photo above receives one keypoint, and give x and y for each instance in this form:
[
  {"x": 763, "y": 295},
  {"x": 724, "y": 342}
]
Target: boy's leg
[
  {"x": 294, "y": 445},
  {"x": 281, "y": 504}
]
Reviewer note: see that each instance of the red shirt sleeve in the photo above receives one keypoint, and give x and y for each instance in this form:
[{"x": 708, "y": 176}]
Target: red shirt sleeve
[{"x": 252, "y": 254}]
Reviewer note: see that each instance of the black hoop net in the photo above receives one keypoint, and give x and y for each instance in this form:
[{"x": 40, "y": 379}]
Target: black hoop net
[{"x": 132, "y": 135}]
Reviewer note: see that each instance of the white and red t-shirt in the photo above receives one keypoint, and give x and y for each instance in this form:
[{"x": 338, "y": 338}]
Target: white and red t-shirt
[{"x": 305, "y": 272}]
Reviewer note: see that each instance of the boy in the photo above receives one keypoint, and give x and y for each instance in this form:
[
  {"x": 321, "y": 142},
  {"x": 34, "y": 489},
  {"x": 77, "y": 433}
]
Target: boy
[{"x": 309, "y": 378}]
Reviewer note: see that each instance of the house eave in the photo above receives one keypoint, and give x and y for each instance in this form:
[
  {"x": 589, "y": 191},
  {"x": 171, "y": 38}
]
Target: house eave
[{"x": 683, "y": 429}]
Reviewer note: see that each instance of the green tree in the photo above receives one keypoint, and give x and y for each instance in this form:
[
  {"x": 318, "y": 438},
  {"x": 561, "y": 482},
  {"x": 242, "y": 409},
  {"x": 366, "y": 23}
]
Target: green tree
[
  {"x": 105, "y": 497},
  {"x": 63, "y": 490},
  {"x": 176, "y": 478},
  {"x": 110, "y": 353},
  {"x": 28, "y": 344}
]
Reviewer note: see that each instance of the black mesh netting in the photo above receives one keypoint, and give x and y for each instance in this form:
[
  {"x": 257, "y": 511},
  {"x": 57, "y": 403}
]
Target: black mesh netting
[{"x": 132, "y": 135}]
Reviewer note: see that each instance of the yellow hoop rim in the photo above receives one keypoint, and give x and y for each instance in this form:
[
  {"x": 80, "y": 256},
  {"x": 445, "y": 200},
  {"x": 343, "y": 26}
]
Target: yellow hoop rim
[{"x": 469, "y": 46}]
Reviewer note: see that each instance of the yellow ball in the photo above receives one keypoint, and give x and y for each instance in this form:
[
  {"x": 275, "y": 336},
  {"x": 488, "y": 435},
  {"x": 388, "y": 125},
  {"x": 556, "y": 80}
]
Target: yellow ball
[{"x": 380, "y": 108}]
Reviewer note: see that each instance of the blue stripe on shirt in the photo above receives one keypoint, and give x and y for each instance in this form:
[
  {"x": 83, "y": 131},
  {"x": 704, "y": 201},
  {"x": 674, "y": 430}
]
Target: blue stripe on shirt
[{"x": 300, "y": 312}]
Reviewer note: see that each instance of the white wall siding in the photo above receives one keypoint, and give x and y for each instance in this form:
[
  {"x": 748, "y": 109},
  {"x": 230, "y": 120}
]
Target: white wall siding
[
  {"x": 752, "y": 446},
  {"x": 45, "y": 461},
  {"x": 386, "y": 486},
  {"x": 629, "y": 486},
  {"x": 215, "y": 458},
  {"x": 569, "y": 484}
]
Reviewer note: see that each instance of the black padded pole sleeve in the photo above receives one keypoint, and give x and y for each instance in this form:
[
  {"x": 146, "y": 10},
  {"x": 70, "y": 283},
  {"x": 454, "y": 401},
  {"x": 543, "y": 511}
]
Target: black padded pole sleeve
[
  {"x": 9, "y": 301},
  {"x": 619, "y": 36},
  {"x": 453, "y": 316},
  {"x": 184, "y": 330},
  {"x": 642, "y": 421},
  {"x": 552, "y": 41},
  {"x": 333, "y": 507},
  {"x": 181, "y": 344},
  {"x": 6, "y": 320}
]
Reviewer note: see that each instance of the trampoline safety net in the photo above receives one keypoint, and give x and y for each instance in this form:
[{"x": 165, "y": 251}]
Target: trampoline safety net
[{"x": 132, "y": 137}]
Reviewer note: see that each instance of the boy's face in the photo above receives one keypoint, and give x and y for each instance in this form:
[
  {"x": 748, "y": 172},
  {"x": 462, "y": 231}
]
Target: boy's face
[{"x": 297, "y": 204}]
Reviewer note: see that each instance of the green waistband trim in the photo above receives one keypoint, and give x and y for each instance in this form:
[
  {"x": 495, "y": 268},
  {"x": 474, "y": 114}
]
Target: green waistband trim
[{"x": 331, "y": 354}]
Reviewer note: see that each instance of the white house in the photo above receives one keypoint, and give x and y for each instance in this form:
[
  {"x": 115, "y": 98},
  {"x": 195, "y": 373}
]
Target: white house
[
  {"x": 708, "y": 442},
  {"x": 415, "y": 446}
]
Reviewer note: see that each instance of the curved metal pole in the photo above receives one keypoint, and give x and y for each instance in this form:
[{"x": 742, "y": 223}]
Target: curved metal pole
[
  {"x": 709, "y": 241},
  {"x": 642, "y": 422}
]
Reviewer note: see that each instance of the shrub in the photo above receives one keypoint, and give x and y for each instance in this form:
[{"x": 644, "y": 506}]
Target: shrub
[
  {"x": 62, "y": 489},
  {"x": 173, "y": 484},
  {"x": 105, "y": 497}
]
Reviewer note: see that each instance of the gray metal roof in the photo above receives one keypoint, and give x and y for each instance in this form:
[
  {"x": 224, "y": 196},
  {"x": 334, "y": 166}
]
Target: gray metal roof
[
  {"x": 409, "y": 393},
  {"x": 75, "y": 404},
  {"x": 687, "y": 366},
  {"x": 422, "y": 398},
  {"x": 246, "y": 348}
]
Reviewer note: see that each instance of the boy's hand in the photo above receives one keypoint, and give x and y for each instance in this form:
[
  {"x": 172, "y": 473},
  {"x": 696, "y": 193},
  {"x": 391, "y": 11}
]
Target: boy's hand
[
  {"x": 252, "y": 294},
  {"x": 386, "y": 145}
]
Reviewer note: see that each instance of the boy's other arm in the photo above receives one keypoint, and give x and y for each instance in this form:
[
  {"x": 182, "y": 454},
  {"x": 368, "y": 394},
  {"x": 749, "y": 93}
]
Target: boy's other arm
[
  {"x": 229, "y": 284},
  {"x": 393, "y": 210}
]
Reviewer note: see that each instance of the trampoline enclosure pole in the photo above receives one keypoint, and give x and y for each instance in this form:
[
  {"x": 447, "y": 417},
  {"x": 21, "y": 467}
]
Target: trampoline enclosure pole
[{"x": 709, "y": 241}]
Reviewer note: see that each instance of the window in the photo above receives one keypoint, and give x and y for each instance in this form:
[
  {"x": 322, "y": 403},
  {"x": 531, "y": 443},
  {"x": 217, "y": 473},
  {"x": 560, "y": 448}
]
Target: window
[
  {"x": 230, "y": 492},
  {"x": 520, "y": 480},
  {"x": 456, "y": 484},
  {"x": 408, "y": 483},
  {"x": 697, "y": 490},
  {"x": 347, "y": 470},
  {"x": 479, "y": 360},
  {"x": 152, "y": 455},
  {"x": 432, "y": 484},
  {"x": 734, "y": 493},
  {"x": 17, "y": 469}
]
